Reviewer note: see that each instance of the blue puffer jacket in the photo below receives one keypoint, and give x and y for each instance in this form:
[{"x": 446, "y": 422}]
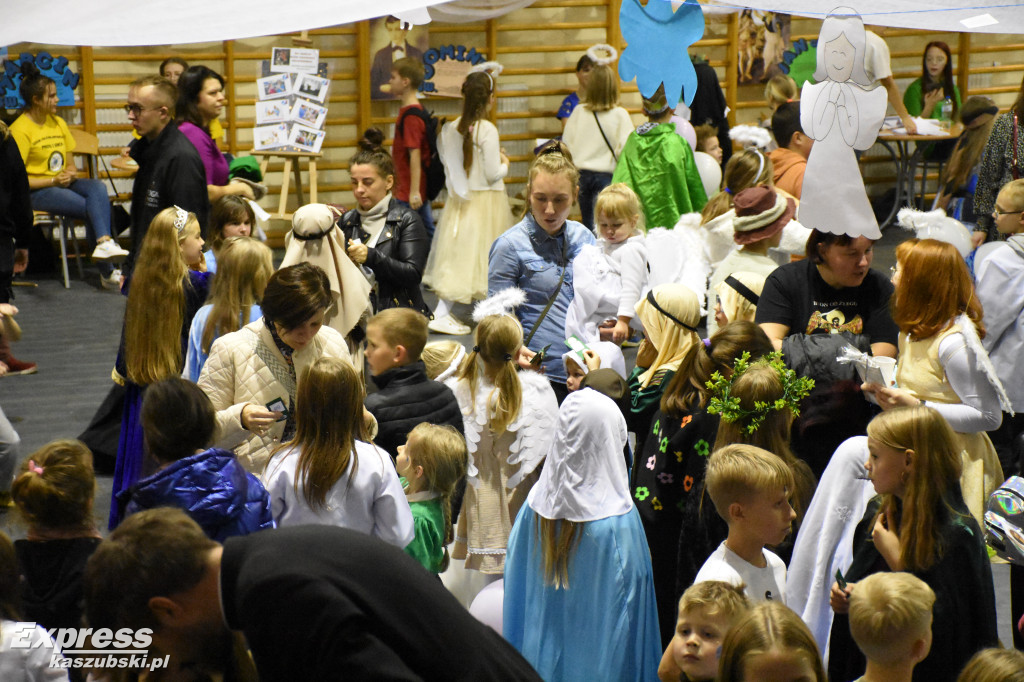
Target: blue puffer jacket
[{"x": 221, "y": 496}]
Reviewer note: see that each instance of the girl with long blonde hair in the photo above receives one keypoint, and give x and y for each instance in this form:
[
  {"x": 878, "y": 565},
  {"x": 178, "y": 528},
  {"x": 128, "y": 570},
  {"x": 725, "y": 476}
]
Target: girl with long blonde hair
[
  {"x": 508, "y": 417},
  {"x": 329, "y": 473},
  {"x": 246, "y": 265},
  {"x": 919, "y": 523},
  {"x": 579, "y": 592},
  {"x": 163, "y": 297}
]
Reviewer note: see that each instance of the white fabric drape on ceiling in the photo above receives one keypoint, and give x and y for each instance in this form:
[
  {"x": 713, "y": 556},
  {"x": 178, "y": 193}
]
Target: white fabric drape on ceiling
[
  {"x": 464, "y": 11},
  {"x": 173, "y": 22},
  {"x": 934, "y": 15}
]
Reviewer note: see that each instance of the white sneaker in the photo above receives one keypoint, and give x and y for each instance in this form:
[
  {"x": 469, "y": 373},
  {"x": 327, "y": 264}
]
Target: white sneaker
[
  {"x": 111, "y": 281},
  {"x": 448, "y": 325},
  {"x": 108, "y": 250}
]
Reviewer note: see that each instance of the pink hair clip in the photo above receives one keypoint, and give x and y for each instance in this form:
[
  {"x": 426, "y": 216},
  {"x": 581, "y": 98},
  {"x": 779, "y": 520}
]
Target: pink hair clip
[{"x": 34, "y": 468}]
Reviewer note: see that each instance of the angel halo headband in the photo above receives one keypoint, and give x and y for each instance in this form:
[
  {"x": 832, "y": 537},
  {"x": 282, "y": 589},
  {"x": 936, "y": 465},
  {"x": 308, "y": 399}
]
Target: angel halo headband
[
  {"x": 492, "y": 69},
  {"x": 180, "y": 218},
  {"x": 602, "y": 54}
]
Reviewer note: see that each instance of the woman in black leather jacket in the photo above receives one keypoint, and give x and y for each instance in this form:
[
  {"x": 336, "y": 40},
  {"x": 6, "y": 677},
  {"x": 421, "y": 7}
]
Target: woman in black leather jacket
[{"x": 384, "y": 237}]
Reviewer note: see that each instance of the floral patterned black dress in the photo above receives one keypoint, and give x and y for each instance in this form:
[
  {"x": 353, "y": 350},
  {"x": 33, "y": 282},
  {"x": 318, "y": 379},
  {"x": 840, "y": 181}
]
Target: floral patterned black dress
[{"x": 667, "y": 481}]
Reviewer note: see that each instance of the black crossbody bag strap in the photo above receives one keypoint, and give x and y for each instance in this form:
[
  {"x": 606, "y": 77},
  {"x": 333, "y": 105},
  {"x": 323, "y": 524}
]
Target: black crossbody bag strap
[
  {"x": 551, "y": 301},
  {"x": 610, "y": 148}
]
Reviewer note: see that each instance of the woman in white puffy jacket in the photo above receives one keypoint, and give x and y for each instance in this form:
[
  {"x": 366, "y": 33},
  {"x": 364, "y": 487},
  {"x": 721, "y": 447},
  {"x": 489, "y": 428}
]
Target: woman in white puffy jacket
[{"x": 251, "y": 375}]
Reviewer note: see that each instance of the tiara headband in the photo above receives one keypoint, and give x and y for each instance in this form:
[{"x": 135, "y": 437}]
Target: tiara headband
[
  {"x": 180, "y": 218},
  {"x": 602, "y": 54}
]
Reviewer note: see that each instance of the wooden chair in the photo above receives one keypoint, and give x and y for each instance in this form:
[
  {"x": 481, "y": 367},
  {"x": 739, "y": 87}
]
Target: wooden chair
[{"x": 88, "y": 146}]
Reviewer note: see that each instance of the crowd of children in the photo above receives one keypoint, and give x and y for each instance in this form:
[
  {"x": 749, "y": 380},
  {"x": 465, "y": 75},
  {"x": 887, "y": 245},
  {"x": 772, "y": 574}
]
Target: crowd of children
[{"x": 603, "y": 514}]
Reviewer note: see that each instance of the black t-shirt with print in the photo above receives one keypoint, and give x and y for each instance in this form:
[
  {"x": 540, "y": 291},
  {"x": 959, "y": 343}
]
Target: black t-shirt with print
[{"x": 796, "y": 295}]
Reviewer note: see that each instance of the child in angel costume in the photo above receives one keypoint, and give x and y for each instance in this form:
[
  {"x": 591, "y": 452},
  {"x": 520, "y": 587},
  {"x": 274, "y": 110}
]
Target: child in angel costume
[
  {"x": 509, "y": 418},
  {"x": 611, "y": 275}
]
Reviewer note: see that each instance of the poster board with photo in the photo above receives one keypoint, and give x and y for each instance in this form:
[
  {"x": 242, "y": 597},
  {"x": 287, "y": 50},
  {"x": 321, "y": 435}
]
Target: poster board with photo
[{"x": 291, "y": 105}]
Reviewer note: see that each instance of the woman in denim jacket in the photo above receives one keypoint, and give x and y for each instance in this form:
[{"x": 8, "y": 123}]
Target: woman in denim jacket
[{"x": 536, "y": 255}]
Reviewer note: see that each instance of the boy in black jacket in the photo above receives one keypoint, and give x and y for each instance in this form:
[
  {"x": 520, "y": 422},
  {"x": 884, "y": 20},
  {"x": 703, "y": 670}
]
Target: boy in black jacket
[{"x": 406, "y": 397}]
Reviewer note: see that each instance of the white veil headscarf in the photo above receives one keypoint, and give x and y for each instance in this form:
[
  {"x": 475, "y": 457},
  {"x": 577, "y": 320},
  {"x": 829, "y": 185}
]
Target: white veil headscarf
[
  {"x": 315, "y": 239},
  {"x": 584, "y": 476}
]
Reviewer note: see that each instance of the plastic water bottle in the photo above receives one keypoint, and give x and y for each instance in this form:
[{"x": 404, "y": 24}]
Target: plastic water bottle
[{"x": 947, "y": 112}]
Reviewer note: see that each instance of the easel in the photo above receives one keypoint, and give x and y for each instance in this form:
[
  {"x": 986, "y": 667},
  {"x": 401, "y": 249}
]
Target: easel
[
  {"x": 292, "y": 160},
  {"x": 292, "y": 163}
]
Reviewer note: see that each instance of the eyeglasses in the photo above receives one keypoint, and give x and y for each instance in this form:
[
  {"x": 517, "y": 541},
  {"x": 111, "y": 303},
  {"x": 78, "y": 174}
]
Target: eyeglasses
[
  {"x": 136, "y": 109},
  {"x": 999, "y": 211}
]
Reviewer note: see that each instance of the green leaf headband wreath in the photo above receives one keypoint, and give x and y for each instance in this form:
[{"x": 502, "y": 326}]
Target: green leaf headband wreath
[{"x": 795, "y": 389}]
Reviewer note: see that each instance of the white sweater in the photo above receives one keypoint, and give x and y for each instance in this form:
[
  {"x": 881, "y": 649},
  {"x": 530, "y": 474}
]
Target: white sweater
[
  {"x": 630, "y": 257},
  {"x": 486, "y": 171},
  {"x": 588, "y": 148}
]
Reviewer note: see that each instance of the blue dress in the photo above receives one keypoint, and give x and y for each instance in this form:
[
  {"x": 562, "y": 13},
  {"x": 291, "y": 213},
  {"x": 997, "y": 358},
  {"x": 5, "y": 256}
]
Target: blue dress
[
  {"x": 605, "y": 625},
  {"x": 130, "y": 450}
]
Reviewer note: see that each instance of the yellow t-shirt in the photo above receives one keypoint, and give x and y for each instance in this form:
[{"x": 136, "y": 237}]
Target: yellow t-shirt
[{"x": 44, "y": 148}]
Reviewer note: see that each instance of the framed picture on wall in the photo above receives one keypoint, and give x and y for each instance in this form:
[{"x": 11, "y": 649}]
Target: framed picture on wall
[{"x": 392, "y": 39}]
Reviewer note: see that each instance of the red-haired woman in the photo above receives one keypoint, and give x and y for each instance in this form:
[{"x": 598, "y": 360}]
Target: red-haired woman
[
  {"x": 924, "y": 97},
  {"x": 941, "y": 361}
]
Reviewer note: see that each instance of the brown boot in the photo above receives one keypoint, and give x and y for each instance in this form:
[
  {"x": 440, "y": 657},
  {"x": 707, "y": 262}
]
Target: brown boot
[{"x": 14, "y": 365}]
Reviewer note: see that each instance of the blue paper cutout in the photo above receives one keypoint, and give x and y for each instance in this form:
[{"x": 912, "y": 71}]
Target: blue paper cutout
[
  {"x": 54, "y": 67},
  {"x": 657, "y": 39}
]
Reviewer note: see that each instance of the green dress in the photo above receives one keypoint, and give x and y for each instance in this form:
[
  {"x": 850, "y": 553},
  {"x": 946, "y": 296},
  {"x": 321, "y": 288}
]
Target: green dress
[{"x": 658, "y": 165}]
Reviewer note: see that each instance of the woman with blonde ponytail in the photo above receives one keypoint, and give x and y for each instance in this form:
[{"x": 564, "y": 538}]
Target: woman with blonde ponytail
[{"x": 509, "y": 419}]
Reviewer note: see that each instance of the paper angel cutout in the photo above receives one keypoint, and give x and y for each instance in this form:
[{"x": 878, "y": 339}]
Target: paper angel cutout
[
  {"x": 842, "y": 115},
  {"x": 653, "y": 33}
]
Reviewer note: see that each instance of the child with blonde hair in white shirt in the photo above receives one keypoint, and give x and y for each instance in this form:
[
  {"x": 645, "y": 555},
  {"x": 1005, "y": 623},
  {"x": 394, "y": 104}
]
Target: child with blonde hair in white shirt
[{"x": 610, "y": 277}]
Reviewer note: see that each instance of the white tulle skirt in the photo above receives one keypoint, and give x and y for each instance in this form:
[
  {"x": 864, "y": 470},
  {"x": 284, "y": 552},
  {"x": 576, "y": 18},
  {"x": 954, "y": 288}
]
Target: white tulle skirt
[{"x": 457, "y": 264}]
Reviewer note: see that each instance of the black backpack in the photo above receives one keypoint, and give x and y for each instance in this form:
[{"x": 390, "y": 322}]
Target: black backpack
[{"x": 432, "y": 167}]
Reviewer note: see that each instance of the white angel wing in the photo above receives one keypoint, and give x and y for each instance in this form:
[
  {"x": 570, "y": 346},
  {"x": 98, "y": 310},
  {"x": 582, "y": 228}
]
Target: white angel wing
[
  {"x": 534, "y": 426},
  {"x": 678, "y": 255}
]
